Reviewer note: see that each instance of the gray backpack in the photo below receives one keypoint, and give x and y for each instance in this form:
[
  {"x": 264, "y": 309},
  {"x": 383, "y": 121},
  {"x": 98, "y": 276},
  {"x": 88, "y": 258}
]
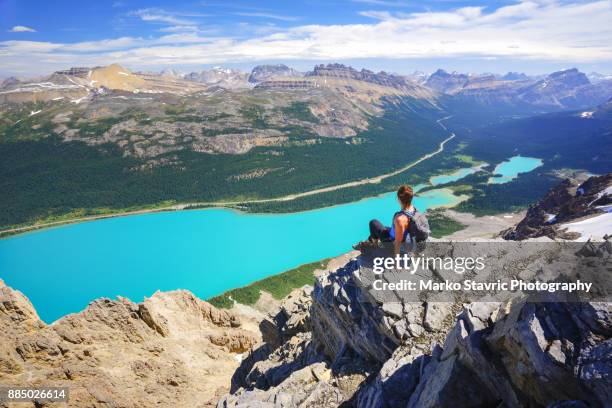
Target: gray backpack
[{"x": 418, "y": 228}]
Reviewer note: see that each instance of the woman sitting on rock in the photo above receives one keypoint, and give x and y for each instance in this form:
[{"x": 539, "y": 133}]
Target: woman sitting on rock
[{"x": 399, "y": 230}]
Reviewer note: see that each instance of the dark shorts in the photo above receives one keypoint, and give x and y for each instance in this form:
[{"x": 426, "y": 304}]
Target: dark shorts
[{"x": 379, "y": 231}]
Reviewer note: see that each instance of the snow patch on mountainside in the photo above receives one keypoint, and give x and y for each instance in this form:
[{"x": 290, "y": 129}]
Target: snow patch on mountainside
[{"x": 595, "y": 227}]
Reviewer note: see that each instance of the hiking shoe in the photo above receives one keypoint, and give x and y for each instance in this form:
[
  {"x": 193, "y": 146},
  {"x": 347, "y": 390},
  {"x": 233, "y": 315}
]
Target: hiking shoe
[{"x": 360, "y": 246}]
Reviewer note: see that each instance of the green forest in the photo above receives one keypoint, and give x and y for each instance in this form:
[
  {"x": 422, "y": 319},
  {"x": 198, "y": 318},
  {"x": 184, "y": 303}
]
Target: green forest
[{"x": 48, "y": 177}]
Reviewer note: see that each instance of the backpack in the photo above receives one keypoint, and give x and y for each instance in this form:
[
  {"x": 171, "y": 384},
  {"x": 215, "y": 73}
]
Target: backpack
[{"x": 418, "y": 228}]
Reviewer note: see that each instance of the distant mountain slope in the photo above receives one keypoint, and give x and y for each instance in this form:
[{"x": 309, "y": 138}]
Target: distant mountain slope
[
  {"x": 562, "y": 90},
  {"x": 569, "y": 89},
  {"x": 116, "y": 77},
  {"x": 595, "y": 77},
  {"x": 604, "y": 111},
  {"x": 264, "y": 72},
  {"x": 223, "y": 77},
  {"x": 445, "y": 82},
  {"x": 510, "y": 94},
  {"x": 346, "y": 72},
  {"x": 515, "y": 76},
  {"x": 77, "y": 83}
]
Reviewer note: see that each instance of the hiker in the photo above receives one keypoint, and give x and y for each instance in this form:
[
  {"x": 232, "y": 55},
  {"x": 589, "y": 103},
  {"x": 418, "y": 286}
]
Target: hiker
[{"x": 406, "y": 223}]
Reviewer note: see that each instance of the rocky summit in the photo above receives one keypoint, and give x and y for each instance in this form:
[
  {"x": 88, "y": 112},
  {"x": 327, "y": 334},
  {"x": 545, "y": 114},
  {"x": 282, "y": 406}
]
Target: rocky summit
[{"x": 360, "y": 353}]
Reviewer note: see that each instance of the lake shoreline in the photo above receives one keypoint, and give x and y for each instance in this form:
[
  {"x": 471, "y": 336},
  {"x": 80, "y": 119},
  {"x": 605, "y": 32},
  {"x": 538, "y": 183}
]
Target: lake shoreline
[
  {"x": 193, "y": 207},
  {"x": 199, "y": 205},
  {"x": 128, "y": 256},
  {"x": 199, "y": 239},
  {"x": 229, "y": 204}
]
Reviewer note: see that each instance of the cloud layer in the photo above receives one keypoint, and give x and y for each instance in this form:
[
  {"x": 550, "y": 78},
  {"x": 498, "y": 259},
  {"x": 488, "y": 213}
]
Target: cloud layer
[{"x": 545, "y": 30}]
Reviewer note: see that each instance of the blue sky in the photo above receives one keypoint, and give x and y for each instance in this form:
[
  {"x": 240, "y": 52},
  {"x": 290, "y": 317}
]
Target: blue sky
[{"x": 533, "y": 36}]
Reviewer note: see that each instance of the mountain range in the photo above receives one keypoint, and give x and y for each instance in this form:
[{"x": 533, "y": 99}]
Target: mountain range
[
  {"x": 567, "y": 89},
  {"x": 225, "y": 134}
]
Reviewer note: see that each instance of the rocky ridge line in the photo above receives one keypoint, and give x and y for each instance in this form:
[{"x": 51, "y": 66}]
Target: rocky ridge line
[{"x": 356, "y": 352}]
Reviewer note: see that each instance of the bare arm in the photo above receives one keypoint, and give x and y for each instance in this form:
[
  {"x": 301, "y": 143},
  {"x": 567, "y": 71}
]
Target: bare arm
[{"x": 400, "y": 226}]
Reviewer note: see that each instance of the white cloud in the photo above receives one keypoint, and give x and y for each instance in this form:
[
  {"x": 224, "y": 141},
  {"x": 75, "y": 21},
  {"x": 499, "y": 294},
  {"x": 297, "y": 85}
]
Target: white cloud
[
  {"x": 529, "y": 30},
  {"x": 21, "y": 29},
  {"x": 267, "y": 15},
  {"x": 178, "y": 29},
  {"x": 28, "y": 47},
  {"x": 151, "y": 15},
  {"x": 105, "y": 45},
  {"x": 174, "y": 18}
]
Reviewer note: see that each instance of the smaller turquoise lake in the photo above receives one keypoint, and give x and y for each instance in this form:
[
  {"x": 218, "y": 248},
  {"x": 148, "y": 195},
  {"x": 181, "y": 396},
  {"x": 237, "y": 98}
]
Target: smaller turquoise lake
[
  {"x": 452, "y": 177},
  {"x": 510, "y": 169}
]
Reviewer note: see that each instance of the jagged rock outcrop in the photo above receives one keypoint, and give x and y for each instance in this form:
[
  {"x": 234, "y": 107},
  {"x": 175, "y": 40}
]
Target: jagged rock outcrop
[
  {"x": 171, "y": 349},
  {"x": 349, "y": 339},
  {"x": 568, "y": 201},
  {"x": 524, "y": 354},
  {"x": 305, "y": 387},
  {"x": 434, "y": 354},
  {"x": 292, "y": 318},
  {"x": 288, "y": 369},
  {"x": 287, "y": 344},
  {"x": 346, "y": 317}
]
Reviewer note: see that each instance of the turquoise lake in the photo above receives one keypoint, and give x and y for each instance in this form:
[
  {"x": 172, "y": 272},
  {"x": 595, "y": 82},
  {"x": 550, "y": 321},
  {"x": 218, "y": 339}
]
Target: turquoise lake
[
  {"x": 457, "y": 175},
  {"x": 508, "y": 170},
  {"x": 206, "y": 251}
]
